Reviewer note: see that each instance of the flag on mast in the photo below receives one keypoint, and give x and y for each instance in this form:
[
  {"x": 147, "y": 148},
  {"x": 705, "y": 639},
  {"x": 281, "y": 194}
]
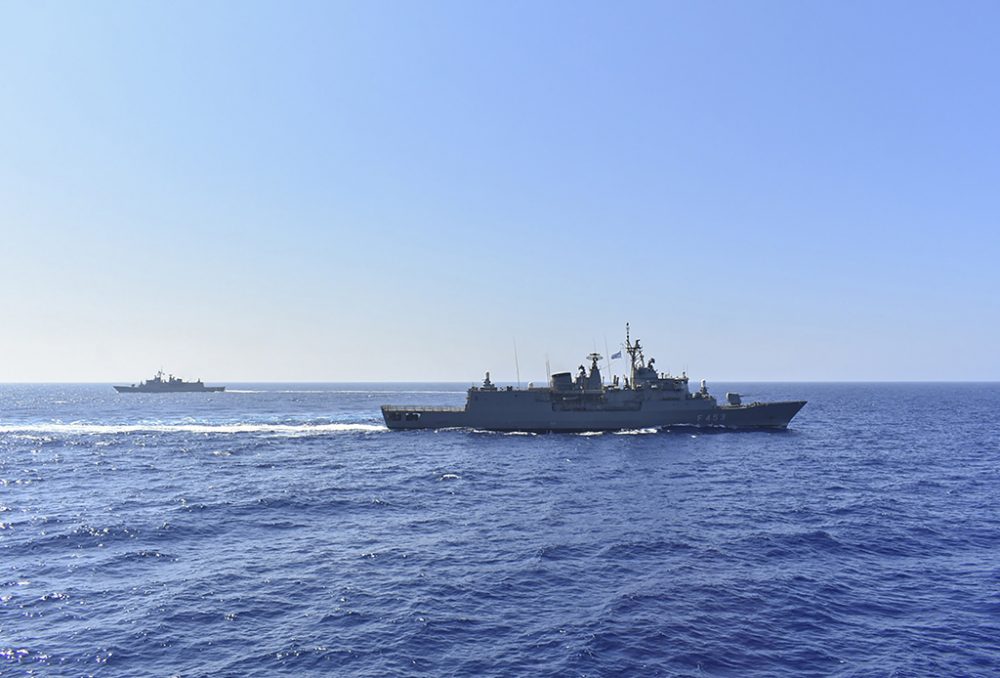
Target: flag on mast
[{"x": 616, "y": 356}]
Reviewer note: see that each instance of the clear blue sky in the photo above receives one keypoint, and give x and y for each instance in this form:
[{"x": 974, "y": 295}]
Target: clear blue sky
[{"x": 399, "y": 190}]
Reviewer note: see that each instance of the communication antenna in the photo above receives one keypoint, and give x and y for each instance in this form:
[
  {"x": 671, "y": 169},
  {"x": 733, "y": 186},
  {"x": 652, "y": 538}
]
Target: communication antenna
[
  {"x": 634, "y": 353},
  {"x": 607, "y": 359},
  {"x": 517, "y": 368}
]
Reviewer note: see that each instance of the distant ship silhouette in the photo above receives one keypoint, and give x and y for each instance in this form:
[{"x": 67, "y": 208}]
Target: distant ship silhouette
[{"x": 169, "y": 385}]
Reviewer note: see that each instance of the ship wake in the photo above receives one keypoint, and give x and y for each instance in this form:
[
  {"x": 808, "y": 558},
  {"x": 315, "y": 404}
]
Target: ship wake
[{"x": 79, "y": 428}]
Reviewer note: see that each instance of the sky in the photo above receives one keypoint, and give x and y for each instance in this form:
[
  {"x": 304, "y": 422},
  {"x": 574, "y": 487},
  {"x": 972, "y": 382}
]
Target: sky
[{"x": 404, "y": 191}]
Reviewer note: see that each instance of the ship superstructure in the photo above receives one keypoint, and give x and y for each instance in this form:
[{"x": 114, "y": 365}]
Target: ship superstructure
[{"x": 644, "y": 399}]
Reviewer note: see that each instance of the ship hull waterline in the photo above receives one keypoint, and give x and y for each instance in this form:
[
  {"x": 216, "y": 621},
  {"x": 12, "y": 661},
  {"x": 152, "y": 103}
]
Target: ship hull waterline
[
  {"x": 757, "y": 416},
  {"x": 139, "y": 389}
]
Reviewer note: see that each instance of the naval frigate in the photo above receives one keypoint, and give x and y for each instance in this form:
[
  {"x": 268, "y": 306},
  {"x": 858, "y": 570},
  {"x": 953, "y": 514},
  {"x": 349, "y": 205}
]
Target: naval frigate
[
  {"x": 169, "y": 385},
  {"x": 646, "y": 399}
]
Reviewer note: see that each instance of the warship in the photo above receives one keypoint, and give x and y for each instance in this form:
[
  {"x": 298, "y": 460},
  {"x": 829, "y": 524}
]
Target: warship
[
  {"x": 645, "y": 399},
  {"x": 169, "y": 385}
]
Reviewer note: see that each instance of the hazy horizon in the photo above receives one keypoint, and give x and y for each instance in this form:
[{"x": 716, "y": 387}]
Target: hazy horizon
[
  {"x": 356, "y": 192},
  {"x": 524, "y": 382}
]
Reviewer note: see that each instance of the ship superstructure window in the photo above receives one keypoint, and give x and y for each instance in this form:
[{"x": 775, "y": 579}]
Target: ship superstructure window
[{"x": 412, "y": 416}]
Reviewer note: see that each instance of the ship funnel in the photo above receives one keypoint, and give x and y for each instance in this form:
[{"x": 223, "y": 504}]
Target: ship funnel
[{"x": 562, "y": 381}]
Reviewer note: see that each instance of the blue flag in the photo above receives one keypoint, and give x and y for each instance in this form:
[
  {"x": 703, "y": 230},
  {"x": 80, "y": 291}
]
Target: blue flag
[{"x": 615, "y": 356}]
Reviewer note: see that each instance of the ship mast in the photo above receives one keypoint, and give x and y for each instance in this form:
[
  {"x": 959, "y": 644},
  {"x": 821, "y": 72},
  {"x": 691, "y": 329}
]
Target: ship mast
[{"x": 634, "y": 353}]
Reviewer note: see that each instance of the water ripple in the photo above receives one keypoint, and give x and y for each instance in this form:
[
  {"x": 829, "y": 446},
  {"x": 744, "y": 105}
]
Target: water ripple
[{"x": 274, "y": 533}]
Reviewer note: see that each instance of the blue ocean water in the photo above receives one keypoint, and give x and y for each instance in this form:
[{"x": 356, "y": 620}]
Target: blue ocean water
[{"x": 281, "y": 530}]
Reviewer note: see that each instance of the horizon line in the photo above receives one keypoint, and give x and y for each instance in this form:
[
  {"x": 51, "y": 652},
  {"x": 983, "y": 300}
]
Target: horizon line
[{"x": 530, "y": 381}]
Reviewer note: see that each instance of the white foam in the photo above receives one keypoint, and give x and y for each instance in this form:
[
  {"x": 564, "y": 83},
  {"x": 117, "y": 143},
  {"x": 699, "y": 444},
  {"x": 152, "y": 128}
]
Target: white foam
[
  {"x": 490, "y": 432},
  {"x": 637, "y": 431},
  {"x": 77, "y": 428},
  {"x": 351, "y": 392},
  {"x": 395, "y": 392},
  {"x": 242, "y": 390}
]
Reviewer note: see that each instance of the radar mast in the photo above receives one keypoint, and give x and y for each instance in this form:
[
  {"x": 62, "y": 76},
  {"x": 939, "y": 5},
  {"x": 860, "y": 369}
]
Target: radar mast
[
  {"x": 593, "y": 358},
  {"x": 634, "y": 353}
]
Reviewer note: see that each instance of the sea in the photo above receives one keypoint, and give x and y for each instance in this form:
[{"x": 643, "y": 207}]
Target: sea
[{"x": 282, "y": 530}]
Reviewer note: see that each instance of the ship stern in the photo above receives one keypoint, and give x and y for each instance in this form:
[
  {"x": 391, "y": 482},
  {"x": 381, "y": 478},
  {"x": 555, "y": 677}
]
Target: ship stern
[{"x": 402, "y": 417}]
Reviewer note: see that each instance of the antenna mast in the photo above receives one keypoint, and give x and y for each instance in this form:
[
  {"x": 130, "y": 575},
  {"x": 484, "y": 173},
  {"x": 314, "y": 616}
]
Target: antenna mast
[
  {"x": 517, "y": 368},
  {"x": 607, "y": 360},
  {"x": 634, "y": 353}
]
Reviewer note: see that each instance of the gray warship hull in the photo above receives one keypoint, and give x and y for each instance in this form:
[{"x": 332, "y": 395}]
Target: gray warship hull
[
  {"x": 187, "y": 388},
  {"x": 645, "y": 399},
  {"x": 519, "y": 410},
  {"x": 169, "y": 385}
]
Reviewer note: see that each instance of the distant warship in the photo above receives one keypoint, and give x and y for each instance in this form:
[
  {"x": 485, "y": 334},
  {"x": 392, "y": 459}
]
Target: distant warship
[
  {"x": 646, "y": 400},
  {"x": 169, "y": 385}
]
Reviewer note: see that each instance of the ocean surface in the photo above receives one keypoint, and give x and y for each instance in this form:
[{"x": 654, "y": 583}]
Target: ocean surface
[{"x": 280, "y": 529}]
